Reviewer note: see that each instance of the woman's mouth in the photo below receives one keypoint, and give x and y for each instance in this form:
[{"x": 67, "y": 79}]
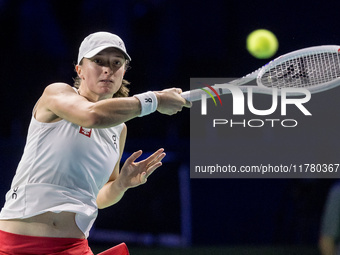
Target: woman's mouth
[{"x": 106, "y": 81}]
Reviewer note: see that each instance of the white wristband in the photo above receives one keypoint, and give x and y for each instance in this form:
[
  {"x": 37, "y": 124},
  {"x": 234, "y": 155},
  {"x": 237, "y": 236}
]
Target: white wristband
[{"x": 148, "y": 101}]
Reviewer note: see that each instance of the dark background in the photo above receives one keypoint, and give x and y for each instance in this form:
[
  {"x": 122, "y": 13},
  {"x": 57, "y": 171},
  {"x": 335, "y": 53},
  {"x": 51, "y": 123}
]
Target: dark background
[{"x": 169, "y": 42}]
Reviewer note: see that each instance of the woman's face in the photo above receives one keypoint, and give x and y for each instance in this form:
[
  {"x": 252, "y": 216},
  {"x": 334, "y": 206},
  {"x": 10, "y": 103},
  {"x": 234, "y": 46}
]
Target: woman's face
[{"x": 102, "y": 75}]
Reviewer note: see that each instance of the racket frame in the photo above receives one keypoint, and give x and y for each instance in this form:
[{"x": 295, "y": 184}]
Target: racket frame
[{"x": 259, "y": 88}]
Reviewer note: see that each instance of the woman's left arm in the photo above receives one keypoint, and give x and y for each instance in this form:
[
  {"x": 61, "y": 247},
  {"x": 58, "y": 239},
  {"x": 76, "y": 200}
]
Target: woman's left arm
[
  {"x": 131, "y": 175},
  {"x": 112, "y": 192}
]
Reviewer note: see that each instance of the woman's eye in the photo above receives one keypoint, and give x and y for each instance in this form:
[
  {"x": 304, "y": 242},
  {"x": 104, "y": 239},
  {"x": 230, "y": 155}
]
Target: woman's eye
[
  {"x": 101, "y": 62},
  {"x": 98, "y": 61},
  {"x": 117, "y": 63}
]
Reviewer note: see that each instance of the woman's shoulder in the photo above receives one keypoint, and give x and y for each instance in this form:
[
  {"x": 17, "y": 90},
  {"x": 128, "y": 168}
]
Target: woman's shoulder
[{"x": 58, "y": 86}]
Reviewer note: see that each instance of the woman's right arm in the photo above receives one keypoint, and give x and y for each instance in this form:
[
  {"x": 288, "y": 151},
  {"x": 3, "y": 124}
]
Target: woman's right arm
[{"x": 60, "y": 101}]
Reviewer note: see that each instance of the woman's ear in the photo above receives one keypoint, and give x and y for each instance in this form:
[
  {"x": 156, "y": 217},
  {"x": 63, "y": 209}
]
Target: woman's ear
[{"x": 79, "y": 72}]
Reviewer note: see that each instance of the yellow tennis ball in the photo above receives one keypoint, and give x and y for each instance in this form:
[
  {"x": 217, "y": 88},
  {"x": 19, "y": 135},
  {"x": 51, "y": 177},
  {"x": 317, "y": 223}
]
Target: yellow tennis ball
[{"x": 262, "y": 43}]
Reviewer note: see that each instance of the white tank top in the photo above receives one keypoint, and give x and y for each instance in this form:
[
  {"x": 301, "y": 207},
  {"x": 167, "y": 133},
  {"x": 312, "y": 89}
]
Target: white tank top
[{"x": 63, "y": 167}]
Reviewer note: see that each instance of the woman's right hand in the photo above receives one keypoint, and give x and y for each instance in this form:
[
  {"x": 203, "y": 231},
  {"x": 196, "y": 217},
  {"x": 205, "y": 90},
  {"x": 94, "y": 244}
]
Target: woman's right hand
[{"x": 170, "y": 101}]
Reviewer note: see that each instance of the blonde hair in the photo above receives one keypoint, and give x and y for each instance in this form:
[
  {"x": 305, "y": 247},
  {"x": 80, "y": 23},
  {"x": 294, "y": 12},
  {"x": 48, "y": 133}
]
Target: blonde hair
[{"x": 123, "y": 90}]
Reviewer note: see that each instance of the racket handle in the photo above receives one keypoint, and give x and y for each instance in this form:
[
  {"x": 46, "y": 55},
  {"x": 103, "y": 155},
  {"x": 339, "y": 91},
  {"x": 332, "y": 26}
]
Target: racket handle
[{"x": 193, "y": 95}]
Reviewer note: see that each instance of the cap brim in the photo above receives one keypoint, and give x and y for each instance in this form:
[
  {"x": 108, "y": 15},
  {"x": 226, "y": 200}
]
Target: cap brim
[{"x": 95, "y": 51}]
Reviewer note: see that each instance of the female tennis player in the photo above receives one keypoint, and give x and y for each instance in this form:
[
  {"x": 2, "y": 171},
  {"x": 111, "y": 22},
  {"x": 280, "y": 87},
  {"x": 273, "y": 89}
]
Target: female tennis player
[{"x": 70, "y": 164}]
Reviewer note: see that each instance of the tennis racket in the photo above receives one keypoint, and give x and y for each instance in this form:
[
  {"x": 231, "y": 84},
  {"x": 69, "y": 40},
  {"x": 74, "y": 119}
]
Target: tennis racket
[{"x": 315, "y": 68}]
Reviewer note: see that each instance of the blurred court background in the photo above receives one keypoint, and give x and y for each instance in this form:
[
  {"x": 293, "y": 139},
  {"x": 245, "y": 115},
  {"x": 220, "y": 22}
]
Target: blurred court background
[{"x": 169, "y": 42}]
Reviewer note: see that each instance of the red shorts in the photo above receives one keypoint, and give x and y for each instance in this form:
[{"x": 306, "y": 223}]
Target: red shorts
[{"x": 11, "y": 244}]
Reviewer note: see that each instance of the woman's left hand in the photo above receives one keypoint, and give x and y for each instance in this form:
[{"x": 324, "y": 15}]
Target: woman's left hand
[{"x": 134, "y": 173}]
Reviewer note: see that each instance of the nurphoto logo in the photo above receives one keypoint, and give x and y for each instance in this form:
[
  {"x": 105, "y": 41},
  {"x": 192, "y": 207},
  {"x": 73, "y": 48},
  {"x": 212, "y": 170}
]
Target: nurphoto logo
[{"x": 238, "y": 99}]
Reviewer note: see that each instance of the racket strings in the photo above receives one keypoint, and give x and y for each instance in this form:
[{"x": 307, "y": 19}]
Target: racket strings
[{"x": 305, "y": 71}]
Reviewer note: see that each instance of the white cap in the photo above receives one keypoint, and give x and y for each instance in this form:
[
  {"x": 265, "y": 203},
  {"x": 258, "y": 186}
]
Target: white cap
[{"x": 96, "y": 42}]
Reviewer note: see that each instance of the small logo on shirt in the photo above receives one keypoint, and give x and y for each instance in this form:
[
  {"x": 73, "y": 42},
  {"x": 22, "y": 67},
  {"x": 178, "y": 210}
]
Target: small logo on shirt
[
  {"x": 85, "y": 131},
  {"x": 15, "y": 195},
  {"x": 114, "y": 138}
]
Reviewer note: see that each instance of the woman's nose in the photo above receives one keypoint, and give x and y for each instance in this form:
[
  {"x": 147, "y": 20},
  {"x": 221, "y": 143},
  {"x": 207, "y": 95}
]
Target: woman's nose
[{"x": 108, "y": 70}]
